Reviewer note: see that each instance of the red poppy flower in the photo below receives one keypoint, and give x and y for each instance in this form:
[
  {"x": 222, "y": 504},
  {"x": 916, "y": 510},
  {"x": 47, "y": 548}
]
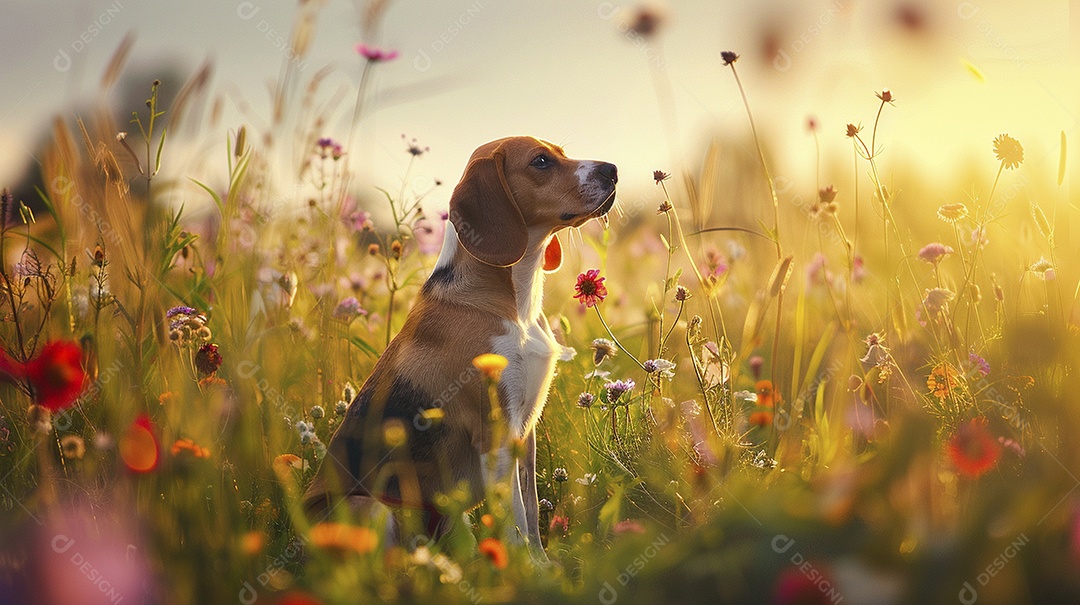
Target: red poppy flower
[
  {"x": 494, "y": 550},
  {"x": 56, "y": 376},
  {"x": 590, "y": 288},
  {"x": 972, "y": 449}
]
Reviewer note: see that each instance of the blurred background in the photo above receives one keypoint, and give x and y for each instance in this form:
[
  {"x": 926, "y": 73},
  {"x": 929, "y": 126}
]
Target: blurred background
[{"x": 589, "y": 75}]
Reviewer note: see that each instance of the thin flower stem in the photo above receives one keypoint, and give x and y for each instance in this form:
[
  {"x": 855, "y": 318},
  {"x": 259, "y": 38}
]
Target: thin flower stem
[{"x": 616, "y": 340}]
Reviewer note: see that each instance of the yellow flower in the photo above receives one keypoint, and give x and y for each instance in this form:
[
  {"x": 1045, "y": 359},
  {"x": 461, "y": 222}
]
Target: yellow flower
[
  {"x": 1008, "y": 151},
  {"x": 490, "y": 365}
]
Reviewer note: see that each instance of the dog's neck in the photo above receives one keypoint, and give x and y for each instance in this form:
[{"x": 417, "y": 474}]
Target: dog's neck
[{"x": 514, "y": 292}]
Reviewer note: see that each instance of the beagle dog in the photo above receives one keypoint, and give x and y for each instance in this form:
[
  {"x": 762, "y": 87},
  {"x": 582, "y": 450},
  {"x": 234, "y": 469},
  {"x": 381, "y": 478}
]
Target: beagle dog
[{"x": 420, "y": 425}]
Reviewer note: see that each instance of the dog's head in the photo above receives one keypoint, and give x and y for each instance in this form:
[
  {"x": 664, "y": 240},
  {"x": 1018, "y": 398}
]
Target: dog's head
[{"x": 521, "y": 187}]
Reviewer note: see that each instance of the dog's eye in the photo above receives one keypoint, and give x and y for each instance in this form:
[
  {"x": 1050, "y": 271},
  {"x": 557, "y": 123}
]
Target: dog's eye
[{"x": 542, "y": 162}]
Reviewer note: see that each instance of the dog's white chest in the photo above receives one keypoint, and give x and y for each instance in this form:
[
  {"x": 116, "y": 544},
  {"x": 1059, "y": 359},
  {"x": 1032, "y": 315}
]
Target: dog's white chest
[{"x": 531, "y": 351}]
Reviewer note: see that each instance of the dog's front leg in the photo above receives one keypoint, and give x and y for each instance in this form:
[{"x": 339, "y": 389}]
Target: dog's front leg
[{"x": 527, "y": 476}]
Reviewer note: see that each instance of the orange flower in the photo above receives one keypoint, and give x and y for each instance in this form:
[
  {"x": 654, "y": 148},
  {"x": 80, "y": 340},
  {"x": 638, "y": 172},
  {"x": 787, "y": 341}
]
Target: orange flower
[
  {"x": 342, "y": 537},
  {"x": 761, "y": 418},
  {"x": 187, "y": 445},
  {"x": 139, "y": 446},
  {"x": 972, "y": 449},
  {"x": 487, "y": 520},
  {"x": 55, "y": 377},
  {"x": 766, "y": 395},
  {"x": 284, "y": 464},
  {"x": 590, "y": 288},
  {"x": 495, "y": 551},
  {"x": 252, "y": 542},
  {"x": 942, "y": 380}
]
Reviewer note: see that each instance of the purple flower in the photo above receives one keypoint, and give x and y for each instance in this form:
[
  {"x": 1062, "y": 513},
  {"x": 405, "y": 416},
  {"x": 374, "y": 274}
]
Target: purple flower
[
  {"x": 615, "y": 390},
  {"x": 665, "y": 368},
  {"x": 979, "y": 363},
  {"x": 348, "y": 310},
  {"x": 180, "y": 310}
]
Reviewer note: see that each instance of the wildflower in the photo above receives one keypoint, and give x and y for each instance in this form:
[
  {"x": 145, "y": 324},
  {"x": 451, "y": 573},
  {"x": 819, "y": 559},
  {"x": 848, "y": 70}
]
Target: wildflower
[
  {"x": 827, "y": 195},
  {"x": 207, "y": 359},
  {"x": 816, "y": 273},
  {"x": 729, "y": 57},
  {"x": 942, "y": 380},
  {"x": 490, "y": 365},
  {"x": 858, "y": 270},
  {"x": 487, "y": 520},
  {"x": 185, "y": 445},
  {"x": 348, "y": 309},
  {"x": 663, "y": 367},
  {"x": 180, "y": 310},
  {"x": 317, "y": 412},
  {"x": 343, "y": 538},
  {"x": 1008, "y": 151},
  {"x": 812, "y": 124},
  {"x": 560, "y": 523},
  {"x": 660, "y": 176},
  {"x": 139, "y": 446},
  {"x": 876, "y": 351},
  {"x": 567, "y": 354},
  {"x": 375, "y": 55},
  {"x": 348, "y": 392},
  {"x": 586, "y": 479},
  {"x": 585, "y": 400},
  {"x": 934, "y": 253},
  {"x": 979, "y": 363},
  {"x": 340, "y": 408},
  {"x": 972, "y": 449},
  {"x": 55, "y": 376},
  {"x": 934, "y": 302},
  {"x": 560, "y": 475},
  {"x": 762, "y": 418},
  {"x": 414, "y": 148},
  {"x": 628, "y": 526},
  {"x": 495, "y": 551},
  {"x": 284, "y": 464},
  {"x": 373, "y": 249},
  {"x": 886, "y": 96},
  {"x": 645, "y": 21},
  {"x": 615, "y": 390},
  {"x": 72, "y": 447},
  {"x": 1044, "y": 269},
  {"x": 546, "y": 506},
  {"x": 951, "y": 213},
  {"x": 756, "y": 362},
  {"x": 1012, "y": 446},
  {"x": 766, "y": 394},
  {"x": 853, "y": 130},
  {"x": 590, "y": 288},
  {"x": 396, "y": 248},
  {"x": 681, "y": 294},
  {"x": 664, "y": 208}
]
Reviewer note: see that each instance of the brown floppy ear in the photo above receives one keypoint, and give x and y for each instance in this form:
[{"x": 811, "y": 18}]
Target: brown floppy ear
[
  {"x": 485, "y": 215},
  {"x": 553, "y": 255}
]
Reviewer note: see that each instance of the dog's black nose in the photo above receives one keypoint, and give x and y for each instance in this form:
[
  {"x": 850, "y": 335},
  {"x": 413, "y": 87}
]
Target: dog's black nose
[{"x": 609, "y": 171}]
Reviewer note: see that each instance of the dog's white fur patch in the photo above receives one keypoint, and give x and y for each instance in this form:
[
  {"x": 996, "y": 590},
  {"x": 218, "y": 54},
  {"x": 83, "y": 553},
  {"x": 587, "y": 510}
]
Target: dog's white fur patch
[
  {"x": 449, "y": 247},
  {"x": 529, "y": 347}
]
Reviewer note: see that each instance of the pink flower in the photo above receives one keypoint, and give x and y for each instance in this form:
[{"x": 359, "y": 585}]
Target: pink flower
[
  {"x": 934, "y": 253},
  {"x": 590, "y": 288},
  {"x": 375, "y": 55}
]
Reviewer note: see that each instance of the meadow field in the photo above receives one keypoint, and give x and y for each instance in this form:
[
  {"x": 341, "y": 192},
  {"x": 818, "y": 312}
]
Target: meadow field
[{"x": 855, "y": 389}]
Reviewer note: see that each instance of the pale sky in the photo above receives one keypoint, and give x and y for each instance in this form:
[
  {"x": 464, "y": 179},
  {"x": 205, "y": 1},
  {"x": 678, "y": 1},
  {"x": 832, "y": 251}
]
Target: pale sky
[{"x": 474, "y": 70}]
